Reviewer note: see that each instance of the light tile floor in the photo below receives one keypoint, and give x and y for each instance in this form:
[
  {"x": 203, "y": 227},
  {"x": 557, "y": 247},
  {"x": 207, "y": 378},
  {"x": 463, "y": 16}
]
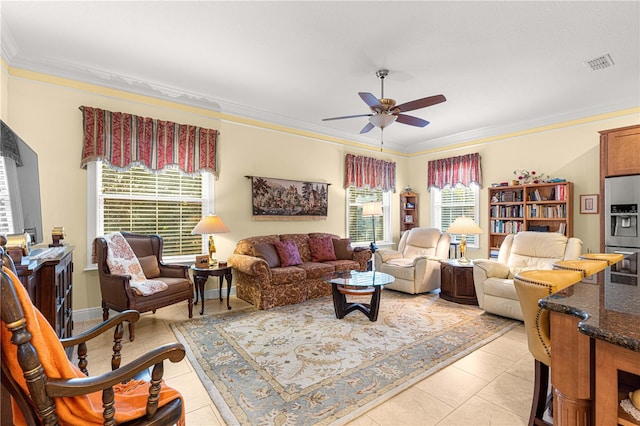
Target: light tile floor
[{"x": 491, "y": 386}]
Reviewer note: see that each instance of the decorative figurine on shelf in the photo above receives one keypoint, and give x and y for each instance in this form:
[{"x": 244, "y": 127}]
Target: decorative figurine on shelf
[
  {"x": 527, "y": 177},
  {"x": 57, "y": 234}
]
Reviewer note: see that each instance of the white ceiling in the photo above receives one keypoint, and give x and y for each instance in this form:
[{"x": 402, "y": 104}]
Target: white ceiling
[{"x": 503, "y": 66}]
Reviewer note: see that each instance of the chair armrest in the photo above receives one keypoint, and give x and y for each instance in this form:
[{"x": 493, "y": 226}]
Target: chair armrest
[
  {"x": 387, "y": 254},
  {"x": 249, "y": 265},
  {"x": 129, "y": 316},
  {"x": 173, "y": 270},
  {"x": 492, "y": 268},
  {"x": 174, "y": 352},
  {"x": 116, "y": 288}
]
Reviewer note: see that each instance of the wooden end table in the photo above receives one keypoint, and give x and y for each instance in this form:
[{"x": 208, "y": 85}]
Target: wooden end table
[
  {"x": 200, "y": 276},
  {"x": 456, "y": 282}
]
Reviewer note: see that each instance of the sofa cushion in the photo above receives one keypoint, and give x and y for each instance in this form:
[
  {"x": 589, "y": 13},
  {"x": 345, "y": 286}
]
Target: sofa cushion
[
  {"x": 288, "y": 275},
  {"x": 321, "y": 249},
  {"x": 342, "y": 248},
  {"x": 268, "y": 252},
  {"x": 288, "y": 253},
  {"x": 343, "y": 264},
  {"x": 150, "y": 266},
  {"x": 315, "y": 270}
]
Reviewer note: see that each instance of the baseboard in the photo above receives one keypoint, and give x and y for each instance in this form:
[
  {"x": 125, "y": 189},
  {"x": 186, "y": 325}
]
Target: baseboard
[{"x": 96, "y": 312}]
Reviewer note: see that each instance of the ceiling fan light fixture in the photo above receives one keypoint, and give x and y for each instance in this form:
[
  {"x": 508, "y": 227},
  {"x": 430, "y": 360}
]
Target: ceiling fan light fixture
[{"x": 382, "y": 120}]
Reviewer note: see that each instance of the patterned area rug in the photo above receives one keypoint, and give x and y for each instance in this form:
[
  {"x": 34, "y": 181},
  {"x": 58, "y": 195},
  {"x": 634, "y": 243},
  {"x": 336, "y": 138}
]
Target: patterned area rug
[{"x": 299, "y": 365}]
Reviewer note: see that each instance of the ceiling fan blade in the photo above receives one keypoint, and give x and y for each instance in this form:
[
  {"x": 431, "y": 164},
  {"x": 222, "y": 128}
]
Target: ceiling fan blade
[
  {"x": 347, "y": 116},
  {"x": 370, "y": 100},
  {"x": 367, "y": 128},
  {"x": 411, "y": 120},
  {"x": 421, "y": 103}
]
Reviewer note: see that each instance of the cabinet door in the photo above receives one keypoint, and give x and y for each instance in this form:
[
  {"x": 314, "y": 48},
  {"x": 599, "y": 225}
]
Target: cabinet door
[
  {"x": 623, "y": 152},
  {"x": 464, "y": 282}
]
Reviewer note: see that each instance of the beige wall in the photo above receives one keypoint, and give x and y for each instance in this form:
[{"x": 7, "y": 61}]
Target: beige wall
[
  {"x": 44, "y": 111},
  {"x": 571, "y": 152}
]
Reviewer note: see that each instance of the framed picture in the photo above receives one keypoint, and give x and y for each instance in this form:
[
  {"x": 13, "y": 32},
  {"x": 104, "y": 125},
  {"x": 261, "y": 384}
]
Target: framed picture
[
  {"x": 202, "y": 261},
  {"x": 589, "y": 204},
  {"x": 284, "y": 199},
  {"x": 408, "y": 218}
]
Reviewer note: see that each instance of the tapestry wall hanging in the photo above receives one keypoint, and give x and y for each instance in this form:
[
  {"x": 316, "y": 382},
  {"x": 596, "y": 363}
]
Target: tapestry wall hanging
[{"x": 282, "y": 199}]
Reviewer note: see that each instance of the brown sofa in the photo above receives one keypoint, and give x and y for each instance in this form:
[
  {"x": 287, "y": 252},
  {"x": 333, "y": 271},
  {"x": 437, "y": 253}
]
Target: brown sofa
[{"x": 268, "y": 286}]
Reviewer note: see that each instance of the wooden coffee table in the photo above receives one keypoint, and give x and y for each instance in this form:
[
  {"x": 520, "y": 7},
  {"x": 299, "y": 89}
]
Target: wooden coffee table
[{"x": 358, "y": 284}]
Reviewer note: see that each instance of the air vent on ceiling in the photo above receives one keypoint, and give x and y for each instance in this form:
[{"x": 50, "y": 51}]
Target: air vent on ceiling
[{"x": 600, "y": 62}]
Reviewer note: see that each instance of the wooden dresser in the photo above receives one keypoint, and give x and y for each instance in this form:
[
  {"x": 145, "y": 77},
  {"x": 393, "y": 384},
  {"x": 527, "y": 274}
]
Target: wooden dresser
[{"x": 49, "y": 282}]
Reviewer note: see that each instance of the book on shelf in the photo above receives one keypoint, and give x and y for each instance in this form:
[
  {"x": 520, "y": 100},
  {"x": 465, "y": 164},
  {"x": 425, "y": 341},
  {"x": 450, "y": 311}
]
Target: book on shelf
[{"x": 562, "y": 229}]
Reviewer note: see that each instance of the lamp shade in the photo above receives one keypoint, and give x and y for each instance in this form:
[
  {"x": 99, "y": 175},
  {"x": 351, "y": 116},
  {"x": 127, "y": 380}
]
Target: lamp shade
[
  {"x": 382, "y": 120},
  {"x": 211, "y": 224},
  {"x": 372, "y": 209},
  {"x": 464, "y": 225}
]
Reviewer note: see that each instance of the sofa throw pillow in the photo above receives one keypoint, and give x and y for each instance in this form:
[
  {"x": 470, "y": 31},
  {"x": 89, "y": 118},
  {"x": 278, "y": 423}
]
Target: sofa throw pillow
[
  {"x": 150, "y": 266},
  {"x": 342, "y": 248},
  {"x": 321, "y": 249},
  {"x": 288, "y": 253},
  {"x": 268, "y": 252}
]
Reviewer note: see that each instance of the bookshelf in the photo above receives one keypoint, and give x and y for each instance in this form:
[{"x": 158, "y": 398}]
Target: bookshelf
[
  {"x": 408, "y": 211},
  {"x": 543, "y": 207}
]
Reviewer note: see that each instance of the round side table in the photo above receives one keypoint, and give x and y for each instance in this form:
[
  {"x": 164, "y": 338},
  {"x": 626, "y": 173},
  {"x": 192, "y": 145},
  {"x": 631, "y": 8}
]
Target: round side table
[{"x": 200, "y": 276}]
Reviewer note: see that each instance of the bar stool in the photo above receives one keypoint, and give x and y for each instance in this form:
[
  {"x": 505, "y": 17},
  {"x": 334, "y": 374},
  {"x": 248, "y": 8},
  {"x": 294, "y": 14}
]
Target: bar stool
[
  {"x": 586, "y": 267},
  {"x": 531, "y": 286},
  {"x": 610, "y": 258}
]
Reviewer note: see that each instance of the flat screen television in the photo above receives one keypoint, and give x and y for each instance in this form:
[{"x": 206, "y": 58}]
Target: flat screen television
[{"x": 20, "y": 208}]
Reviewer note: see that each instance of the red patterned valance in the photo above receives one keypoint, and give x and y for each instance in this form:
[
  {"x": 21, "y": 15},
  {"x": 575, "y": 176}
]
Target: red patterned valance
[
  {"x": 367, "y": 172},
  {"x": 124, "y": 140},
  {"x": 451, "y": 171}
]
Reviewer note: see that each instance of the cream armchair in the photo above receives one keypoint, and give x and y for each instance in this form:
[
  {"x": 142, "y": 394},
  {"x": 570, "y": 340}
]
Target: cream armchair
[
  {"x": 416, "y": 263},
  {"x": 493, "y": 280}
]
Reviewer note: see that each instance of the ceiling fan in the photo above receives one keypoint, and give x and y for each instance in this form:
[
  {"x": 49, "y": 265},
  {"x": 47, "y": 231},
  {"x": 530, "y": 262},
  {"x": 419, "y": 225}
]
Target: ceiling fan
[{"x": 384, "y": 111}]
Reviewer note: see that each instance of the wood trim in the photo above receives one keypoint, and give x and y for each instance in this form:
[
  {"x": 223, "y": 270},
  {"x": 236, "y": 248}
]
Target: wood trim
[{"x": 572, "y": 361}]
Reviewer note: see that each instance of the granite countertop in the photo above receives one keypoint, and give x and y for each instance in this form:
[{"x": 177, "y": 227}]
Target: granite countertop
[{"x": 608, "y": 304}]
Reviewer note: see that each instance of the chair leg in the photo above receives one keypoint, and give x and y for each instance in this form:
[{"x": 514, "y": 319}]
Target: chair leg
[
  {"x": 540, "y": 390},
  {"x": 105, "y": 312},
  {"x": 132, "y": 331},
  {"x": 191, "y": 308}
]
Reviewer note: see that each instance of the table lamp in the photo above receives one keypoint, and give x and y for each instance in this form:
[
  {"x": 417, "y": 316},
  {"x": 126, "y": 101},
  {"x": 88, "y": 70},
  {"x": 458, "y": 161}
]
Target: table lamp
[
  {"x": 372, "y": 209},
  {"x": 464, "y": 226},
  {"x": 211, "y": 224}
]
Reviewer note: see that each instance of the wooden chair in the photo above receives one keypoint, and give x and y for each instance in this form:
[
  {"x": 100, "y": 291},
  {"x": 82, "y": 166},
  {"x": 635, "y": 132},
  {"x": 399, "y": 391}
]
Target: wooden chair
[
  {"x": 116, "y": 289},
  {"x": 37, "y": 396}
]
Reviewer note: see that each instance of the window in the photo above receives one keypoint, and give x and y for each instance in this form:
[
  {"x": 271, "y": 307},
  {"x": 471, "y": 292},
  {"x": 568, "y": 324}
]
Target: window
[
  {"x": 359, "y": 228},
  {"x": 168, "y": 203},
  {"x": 6, "y": 216},
  {"x": 449, "y": 203}
]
